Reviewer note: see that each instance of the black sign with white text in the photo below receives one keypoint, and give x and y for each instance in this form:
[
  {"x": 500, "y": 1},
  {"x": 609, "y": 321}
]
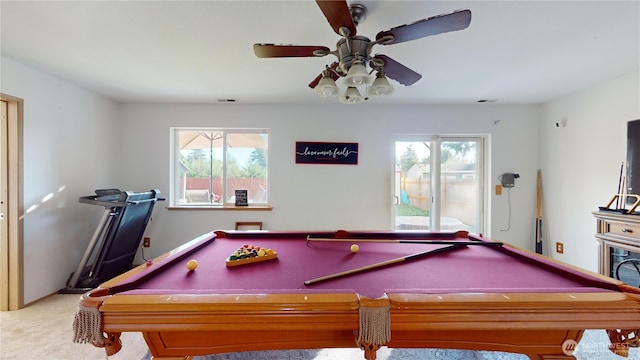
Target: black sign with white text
[
  {"x": 326, "y": 153},
  {"x": 241, "y": 198}
]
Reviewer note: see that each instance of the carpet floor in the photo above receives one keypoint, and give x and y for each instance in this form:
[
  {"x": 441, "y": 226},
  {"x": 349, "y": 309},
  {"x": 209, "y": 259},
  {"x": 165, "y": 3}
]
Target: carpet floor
[{"x": 356, "y": 354}]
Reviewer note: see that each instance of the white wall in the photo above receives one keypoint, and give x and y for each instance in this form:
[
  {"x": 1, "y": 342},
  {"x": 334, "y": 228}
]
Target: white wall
[
  {"x": 582, "y": 161},
  {"x": 325, "y": 197},
  {"x": 71, "y": 147}
]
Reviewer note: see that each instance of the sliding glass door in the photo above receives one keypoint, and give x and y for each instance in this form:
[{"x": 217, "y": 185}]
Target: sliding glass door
[{"x": 438, "y": 183}]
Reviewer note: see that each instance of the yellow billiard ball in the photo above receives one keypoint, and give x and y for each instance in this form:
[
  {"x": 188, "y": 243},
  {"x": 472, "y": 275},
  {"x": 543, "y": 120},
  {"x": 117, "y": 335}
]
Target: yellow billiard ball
[
  {"x": 192, "y": 265},
  {"x": 355, "y": 248}
]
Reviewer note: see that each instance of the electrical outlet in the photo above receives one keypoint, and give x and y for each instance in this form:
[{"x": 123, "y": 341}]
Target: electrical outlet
[
  {"x": 560, "y": 248},
  {"x": 146, "y": 242},
  {"x": 498, "y": 189}
]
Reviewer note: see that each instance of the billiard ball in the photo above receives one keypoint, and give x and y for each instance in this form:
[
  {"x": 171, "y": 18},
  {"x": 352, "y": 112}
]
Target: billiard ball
[
  {"x": 192, "y": 265},
  {"x": 355, "y": 248}
]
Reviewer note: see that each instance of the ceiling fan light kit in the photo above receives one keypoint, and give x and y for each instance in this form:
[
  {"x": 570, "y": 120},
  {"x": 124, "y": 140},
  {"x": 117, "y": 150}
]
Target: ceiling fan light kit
[
  {"x": 380, "y": 86},
  {"x": 357, "y": 75},
  {"x": 326, "y": 87},
  {"x": 352, "y": 96},
  {"x": 354, "y": 52}
]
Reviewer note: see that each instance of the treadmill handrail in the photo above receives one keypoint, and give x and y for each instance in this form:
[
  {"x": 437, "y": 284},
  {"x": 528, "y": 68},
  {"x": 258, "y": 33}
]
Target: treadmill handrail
[
  {"x": 91, "y": 200},
  {"x": 136, "y": 202}
]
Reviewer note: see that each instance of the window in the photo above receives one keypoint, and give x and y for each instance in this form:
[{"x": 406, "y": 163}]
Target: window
[{"x": 208, "y": 165}]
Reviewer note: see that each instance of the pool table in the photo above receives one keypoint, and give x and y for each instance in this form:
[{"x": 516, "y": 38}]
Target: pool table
[{"x": 402, "y": 289}]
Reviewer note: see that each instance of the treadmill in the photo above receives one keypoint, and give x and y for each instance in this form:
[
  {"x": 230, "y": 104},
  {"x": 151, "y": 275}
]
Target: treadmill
[{"x": 115, "y": 242}]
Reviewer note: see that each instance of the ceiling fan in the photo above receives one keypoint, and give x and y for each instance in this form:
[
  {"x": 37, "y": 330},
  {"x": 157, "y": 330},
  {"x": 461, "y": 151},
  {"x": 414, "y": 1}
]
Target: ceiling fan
[{"x": 354, "y": 51}]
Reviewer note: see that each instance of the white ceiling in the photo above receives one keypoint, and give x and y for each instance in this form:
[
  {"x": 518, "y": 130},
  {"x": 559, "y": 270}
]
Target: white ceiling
[{"x": 516, "y": 52}]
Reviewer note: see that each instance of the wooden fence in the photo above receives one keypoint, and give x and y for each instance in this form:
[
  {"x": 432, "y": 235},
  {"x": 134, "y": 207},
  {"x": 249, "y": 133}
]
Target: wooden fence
[{"x": 459, "y": 197}]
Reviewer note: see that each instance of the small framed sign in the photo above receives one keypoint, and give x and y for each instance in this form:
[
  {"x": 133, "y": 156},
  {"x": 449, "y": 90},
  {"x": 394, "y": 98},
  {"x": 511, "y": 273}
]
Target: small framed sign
[
  {"x": 326, "y": 153},
  {"x": 241, "y": 198}
]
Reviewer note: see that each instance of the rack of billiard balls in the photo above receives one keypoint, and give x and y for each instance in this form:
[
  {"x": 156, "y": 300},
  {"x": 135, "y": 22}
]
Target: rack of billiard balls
[{"x": 248, "y": 254}]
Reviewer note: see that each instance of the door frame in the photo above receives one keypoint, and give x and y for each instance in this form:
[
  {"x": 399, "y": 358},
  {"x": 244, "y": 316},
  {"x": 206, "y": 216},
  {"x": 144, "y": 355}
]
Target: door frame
[
  {"x": 12, "y": 206},
  {"x": 435, "y": 201}
]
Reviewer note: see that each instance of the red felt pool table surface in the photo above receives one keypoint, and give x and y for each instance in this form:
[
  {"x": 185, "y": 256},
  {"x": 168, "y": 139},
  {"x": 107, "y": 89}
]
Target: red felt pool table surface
[{"x": 471, "y": 297}]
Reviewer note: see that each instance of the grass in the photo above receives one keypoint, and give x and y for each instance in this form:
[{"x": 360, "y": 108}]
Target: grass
[{"x": 408, "y": 210}]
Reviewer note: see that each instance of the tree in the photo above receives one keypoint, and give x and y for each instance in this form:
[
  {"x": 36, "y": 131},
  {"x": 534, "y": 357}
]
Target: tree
[
  {"x": 458, "y": 149},
  {"x": 197, "y": 163},
  {"x": 257, "y": 164},
  {"x": 408, "y": 159}
]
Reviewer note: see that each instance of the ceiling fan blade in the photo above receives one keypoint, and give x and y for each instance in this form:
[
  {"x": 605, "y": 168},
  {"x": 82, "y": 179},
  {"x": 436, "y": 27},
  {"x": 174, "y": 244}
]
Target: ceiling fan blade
[
  {"x": 333, "y": 75},
  {"x": 432, "y": 26},
  {"x": 338, "y": 14},
  {"x": 397, "y": 71},
  {"x": 273, "y": 51}
]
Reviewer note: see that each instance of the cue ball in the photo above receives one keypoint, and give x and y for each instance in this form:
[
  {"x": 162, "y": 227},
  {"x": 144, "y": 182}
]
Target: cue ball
[
  {"x": 355, "y": 248},
  {"x": 192, "y": 265}
]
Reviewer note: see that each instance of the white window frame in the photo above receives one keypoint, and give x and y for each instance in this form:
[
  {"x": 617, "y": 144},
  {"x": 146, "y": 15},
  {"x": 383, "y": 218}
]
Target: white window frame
[{"x": 174, "y": 193}]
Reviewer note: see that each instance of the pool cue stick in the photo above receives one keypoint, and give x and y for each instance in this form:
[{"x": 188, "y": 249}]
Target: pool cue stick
[
  {"x": 539, "y": 214},
  {"x": 404, "y": 241},
  {"x": 623, "y": 203},
  {"x": 619, "y": 186},
  {"x": 384, "y": 263}
]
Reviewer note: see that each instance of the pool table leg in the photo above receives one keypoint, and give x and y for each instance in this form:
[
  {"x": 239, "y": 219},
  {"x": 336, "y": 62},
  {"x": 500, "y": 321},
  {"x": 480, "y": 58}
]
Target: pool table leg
[
  {"x": 552, "y": 357},
  {"x": 111, "y": 343},
  {"x": 370, "y": 350},
  {"x": 172, "y": 358},
  {"x": 621, "y": 340}
]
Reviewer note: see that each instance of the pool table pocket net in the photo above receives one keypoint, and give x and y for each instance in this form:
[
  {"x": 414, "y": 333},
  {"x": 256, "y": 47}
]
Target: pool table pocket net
[
  {"x": 87, "y": 326},
  {"x": 374, "y": 324}
]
